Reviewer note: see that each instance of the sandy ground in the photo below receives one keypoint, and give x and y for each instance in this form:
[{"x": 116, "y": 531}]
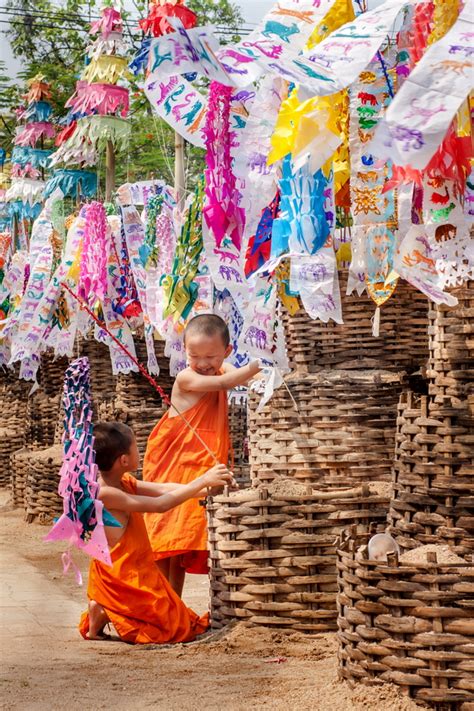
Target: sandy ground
[{"x": 45, "y": 664}]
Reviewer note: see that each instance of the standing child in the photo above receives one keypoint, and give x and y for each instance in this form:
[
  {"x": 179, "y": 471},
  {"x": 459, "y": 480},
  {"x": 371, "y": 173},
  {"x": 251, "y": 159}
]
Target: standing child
[
  {"x": 174, "y": 454},
  {"x": 132, "y": 594}
]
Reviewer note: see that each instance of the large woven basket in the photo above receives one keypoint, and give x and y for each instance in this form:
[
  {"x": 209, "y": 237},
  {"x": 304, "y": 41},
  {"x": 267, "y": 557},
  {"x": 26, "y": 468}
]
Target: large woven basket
[
  {"x": 451, "y": 342},
  {"x": 412, "y": 625},
  {"x": 433, "y": 474},
  {"x": 402, "y": 344},
  {"x": 19, "y": 468},
  {"x": 42, "y": 501},
  {"x": 10, "y": 441},
  {"x": 343, "y": 431},
  {"x": 273, "y": 557},
  {"x": 43, "y": 413}
]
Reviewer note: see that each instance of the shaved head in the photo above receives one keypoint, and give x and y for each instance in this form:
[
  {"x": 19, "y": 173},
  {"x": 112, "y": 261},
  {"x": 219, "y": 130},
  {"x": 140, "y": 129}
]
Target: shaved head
[{"x": 208, "y": 325}]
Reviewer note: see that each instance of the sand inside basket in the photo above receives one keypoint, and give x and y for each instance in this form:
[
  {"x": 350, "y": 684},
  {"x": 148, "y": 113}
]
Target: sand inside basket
[
  {"x": 381, "y": 488},
  {"x": 444, "y": 555}
]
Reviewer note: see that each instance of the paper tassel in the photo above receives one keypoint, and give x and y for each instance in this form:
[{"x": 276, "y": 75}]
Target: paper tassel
[
  {"x": 30, "y": 134},
  {"x": 103, "y": 98},
  {"x": 23, "y": 155},
  {"x": 24, "y": 211},
  {"x": 91, "y": 134},
  {"x": 111, "y": 21},
  {"x": 113, "y": 44},
  {"x": 26, "y": 191},
  {"x": 38, "y": 111}
]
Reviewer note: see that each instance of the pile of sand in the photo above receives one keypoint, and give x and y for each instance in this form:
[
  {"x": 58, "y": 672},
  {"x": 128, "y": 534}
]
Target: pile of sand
[
  {"x": 281, "y": 650},
  {"x": 444, "y": 554},
  {"x": 381, "y": 488},
  {"x": 288, "y": 487}
]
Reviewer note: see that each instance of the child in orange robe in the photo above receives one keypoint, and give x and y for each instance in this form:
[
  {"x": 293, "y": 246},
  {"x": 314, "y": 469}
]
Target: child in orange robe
[
  {"x": 175, "y": 454},
  {"x": 132, "y": 594}
]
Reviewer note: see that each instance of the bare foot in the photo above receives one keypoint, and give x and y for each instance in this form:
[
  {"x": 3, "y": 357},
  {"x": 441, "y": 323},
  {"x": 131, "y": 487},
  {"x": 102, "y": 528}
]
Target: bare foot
[{"x": 97, "y": 621}]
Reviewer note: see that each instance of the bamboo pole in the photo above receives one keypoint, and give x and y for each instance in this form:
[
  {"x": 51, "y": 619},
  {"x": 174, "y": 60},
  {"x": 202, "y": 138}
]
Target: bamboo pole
[{"x": 109, "y": 172}]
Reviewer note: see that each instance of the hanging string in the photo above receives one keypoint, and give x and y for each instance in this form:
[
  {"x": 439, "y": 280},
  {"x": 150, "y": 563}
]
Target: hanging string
[{"x": 142, "y": 370}]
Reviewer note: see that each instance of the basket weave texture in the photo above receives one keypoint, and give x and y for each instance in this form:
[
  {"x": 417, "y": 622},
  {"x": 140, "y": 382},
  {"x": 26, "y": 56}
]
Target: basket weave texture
[
  {"x": 273, "y": 558},
  {"x": 343, "y": 432},
  {"x": 402, "y": 344},
  {"x": 412, "y": 625}
]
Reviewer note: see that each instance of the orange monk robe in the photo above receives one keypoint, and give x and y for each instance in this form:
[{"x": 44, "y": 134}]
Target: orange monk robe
[
  {"x": 138, "y": 600},
  {"x": 174, "y": 454}
]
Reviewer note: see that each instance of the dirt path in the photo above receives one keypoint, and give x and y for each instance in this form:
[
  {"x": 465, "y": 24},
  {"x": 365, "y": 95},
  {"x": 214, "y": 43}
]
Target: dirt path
[{"x": 47, "y": 666}]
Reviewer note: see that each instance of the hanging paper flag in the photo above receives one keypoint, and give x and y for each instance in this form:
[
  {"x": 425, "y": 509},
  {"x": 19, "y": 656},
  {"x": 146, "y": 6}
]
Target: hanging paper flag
[
  {"x": 71, "y": 183},
  {"x": 92, "y": 283},
  {"x": 179, "y": 104},
  {"x": 83, "y": 519},
  {"x": 418, "y": 119},
  {"x": 184, "y": 51},
  {"x": 316, "y": 280}
]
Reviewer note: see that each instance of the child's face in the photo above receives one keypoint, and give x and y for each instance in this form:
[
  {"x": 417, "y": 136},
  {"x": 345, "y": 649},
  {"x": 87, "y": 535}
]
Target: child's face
[
  {"x": 131, "y": 460},
  {"x": 205, "y": 354}
]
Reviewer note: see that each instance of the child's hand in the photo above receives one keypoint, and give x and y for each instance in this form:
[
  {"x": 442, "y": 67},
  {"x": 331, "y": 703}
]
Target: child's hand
[{"x": 218, "y": 476}]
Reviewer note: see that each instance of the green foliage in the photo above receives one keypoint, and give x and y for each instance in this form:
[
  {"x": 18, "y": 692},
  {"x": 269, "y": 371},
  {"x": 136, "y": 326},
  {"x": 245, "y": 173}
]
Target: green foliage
[{"x": 51, "y": 36}]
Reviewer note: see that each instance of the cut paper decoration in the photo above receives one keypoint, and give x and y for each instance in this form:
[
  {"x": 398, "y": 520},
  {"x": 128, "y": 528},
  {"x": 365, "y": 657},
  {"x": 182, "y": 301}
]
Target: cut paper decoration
[
  {"x": 179, "y": 104},
  {"x": 83, "y": 519},
  {"x": 113, "y": 44},
  {"x": 158, "y": 21},
  {"x": 37, "y": 112},
  {"x": 91, "y": 134},
  {"x": 139, "y": 193},
  {"x": 186, "y": 51},
  {"x": 104, "y": 99},
  {"x": 106, "y": 68},
  {"x": 71, "y": 183},
  {"x": 110, "y": 21},
  {"x": 417, "y": 120},
  {"x": 34, "y": 156},
  {"x": 25, "y": 190},
  {"x": 30, "y": 134},
  {"x": 94, "y": 256}
]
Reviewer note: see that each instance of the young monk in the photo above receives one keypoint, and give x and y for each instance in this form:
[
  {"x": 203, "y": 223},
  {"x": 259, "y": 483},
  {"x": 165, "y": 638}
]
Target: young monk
[
  {"x": 175, "y": 454},
  {"x": 132, "y": 594}
]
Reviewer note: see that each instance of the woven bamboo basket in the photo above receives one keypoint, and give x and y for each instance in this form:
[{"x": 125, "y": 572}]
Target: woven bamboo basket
[
  {"x": 42, "y": 501},
  {"x": 343, "y": 431},
  {"x": 13, "y": 400},
  {"x": 409, "y": 624},
  {"x": 451, "y": 342},
  {"x": 402, "y": 344},
  {"x": 42, "y": 415},
  {"x": 52, "y": 373},
  {"x": 103, "y": 381},
  {"x": 273, "y": 558},
  {"x": 433, "y": 474},
  {"x": 10, "y": 441},
  {"x": 19, "y": 468}
]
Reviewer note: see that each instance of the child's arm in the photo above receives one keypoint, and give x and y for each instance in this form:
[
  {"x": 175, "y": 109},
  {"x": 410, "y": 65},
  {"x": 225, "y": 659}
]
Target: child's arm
[
  {"x": 149, "y": 488},
  {"x": 118, "y": 500},
  {"x": 190, "y": 381}
]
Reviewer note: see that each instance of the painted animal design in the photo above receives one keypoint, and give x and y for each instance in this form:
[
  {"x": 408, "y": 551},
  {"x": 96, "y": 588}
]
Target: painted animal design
[
  {"x": 367, "y": 98},
  {"x": 444, "y": 233},
  {"x": 303, "y": 15},
  {"x": 282, "y": 31},
  {"x": 314, "y": 272},
  {"x": 256, "y": 337},
  {"x": 263, "y": 318},
  {"x": 440, "y": 198},
  {"x": 273, "y": 51},
  {"x": 367, "y": 77},
  {"x": 227, "y": 256},
  {"x": 160, "y": 58},
  {"x": 416, "y": 257},
  {"x": 423, "y": 111},
  {"x": 467, "y": 51},
  {"x": 258, "y": 161},
  {"x": 230, "y": 273},
  {"x": 167, "y": 103},
  {"x": 403, "y": 70},
  {"x": 368, "y": 176},
  {"x": 164, "y": 88},
  {"x": 452, "y": 65},
  {"x": 364, "y": 137}
]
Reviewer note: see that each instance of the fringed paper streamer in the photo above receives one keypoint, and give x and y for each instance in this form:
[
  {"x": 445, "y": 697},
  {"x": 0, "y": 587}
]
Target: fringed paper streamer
[
  {"x": 38, "y": 111},
  {"x": 25, "y": 190},
  {"x": 157, "y": 24},
  {"x": 445, "y": 15},
  {"x": 71, "y": 183},
  {"x": 101, "y": 98},
  {"x": 110, "y": 21},
  {"x": 26, "y": 171},
  {"x": 222, "y": 213},
  {"x": 179, "y": 291},
  {"x": 127, "y": 304},
  {"x": 36, "y": 157},
  {"x": 106, "y": 68},
  {"x": 38, "y": 89},
  {"x": 114, "y": 44},
  {"x": 90, "y": 136},
  {"x": 30, "y": 134},
  {"x": 149, "y": 250},
  {"x": 417, "y": 121},
  {"x": 5, "y": 245},
  {"x": 84, "y": 516},
  {"x": 95, "y": 250}
]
